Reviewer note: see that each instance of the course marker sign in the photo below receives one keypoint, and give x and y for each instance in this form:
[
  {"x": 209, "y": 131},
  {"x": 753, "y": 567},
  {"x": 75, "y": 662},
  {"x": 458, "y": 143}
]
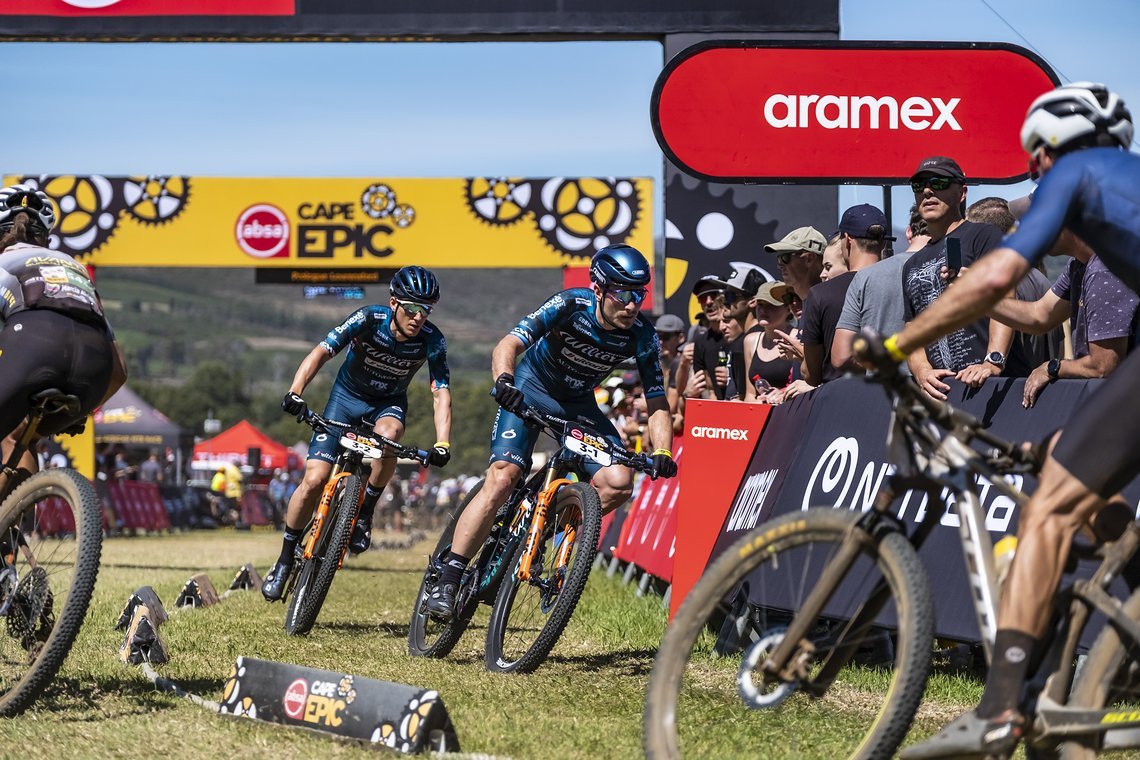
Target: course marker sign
[{"x": 857, "y": 113}]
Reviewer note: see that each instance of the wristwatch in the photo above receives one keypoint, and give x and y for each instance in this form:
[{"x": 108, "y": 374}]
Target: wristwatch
[
  {"x": 996, "y": 358},
  {"x": 1053, "y": 370}
]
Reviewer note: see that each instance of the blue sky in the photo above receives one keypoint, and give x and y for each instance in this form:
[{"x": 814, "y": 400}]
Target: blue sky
[{"x": 454, "y": 109}]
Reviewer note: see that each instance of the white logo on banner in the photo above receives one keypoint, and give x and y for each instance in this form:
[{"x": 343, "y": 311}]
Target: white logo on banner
[
  {"x": 842, "y": 112},
  {"x": 834, "y": 474},
  {"x": 730, "y": 434},
  {"x": 91, "y": 3},
  {"x": 748, "y": 506}
]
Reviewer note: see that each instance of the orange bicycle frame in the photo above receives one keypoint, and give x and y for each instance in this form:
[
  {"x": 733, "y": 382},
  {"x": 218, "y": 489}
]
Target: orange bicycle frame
[
  {"x": 534, "y": 534},
  {"x": 322, "y": 512}
]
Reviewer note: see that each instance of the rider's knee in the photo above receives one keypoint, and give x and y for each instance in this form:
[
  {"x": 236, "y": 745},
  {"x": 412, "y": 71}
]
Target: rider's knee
[{"x": 501, "y": 477}]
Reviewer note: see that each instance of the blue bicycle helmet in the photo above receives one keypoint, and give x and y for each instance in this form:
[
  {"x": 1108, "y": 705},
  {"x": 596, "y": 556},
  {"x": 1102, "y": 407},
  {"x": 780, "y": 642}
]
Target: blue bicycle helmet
[
  {"x": 414, "y": 283},
  {"x": 620, "y": 266}
]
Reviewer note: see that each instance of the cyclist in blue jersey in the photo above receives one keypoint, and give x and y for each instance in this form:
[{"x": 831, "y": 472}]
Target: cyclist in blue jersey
[
  {"x": 386, "y": 347},
  {"x": 1077, "y": 137},
  {"x": 567, "y": 347}
]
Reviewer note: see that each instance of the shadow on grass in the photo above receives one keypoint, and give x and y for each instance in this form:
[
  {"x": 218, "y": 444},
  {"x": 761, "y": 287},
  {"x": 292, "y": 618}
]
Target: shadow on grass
[
  {"x": 392, "y": 629},
  {"x": 628, "y": 662},
  {"x": 86, "y": 700},
  {"x": 389, "y": 570},
  {"x": 199, "y": 569}
]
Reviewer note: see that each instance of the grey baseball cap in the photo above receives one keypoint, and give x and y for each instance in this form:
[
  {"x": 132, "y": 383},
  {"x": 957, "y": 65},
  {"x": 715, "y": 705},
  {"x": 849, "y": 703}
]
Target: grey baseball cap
[{"x": 800, "y": 239}]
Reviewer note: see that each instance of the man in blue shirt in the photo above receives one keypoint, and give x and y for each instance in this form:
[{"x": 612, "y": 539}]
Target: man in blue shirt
[
  {"x": 563, "y": 350},
  {"x": 1077, "y": 137},
  {"x": 386, "y": 347}
]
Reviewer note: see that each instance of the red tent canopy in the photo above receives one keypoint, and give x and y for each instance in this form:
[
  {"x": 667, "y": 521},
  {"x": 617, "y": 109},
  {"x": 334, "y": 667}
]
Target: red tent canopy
[{"x": 233, "y": 445}]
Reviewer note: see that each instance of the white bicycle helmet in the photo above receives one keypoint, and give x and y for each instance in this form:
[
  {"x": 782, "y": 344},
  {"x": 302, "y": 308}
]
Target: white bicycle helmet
[
  {"x": 1082, "y": 111},
  {"x": 26, "y": 198}
]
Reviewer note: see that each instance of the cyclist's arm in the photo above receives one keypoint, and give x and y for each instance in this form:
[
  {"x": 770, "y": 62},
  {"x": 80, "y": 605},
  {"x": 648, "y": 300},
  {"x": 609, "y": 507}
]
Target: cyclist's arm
[
  {"x": 973, "y": 295},
  {"x": 441, "y": 406},
  {"x": 506, "y": 355},
  {"x": 660, "y": 423},
  {"x": 310, "y": 365},
  {"x": 1033, "y": 317}
]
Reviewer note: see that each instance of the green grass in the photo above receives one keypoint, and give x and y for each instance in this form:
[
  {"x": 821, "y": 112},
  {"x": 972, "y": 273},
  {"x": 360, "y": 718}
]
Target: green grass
[{"x": 586, "y": 701}]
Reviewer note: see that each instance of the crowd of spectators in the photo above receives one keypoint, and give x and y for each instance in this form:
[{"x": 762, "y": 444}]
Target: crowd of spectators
[{"x": 761, "y": 340}]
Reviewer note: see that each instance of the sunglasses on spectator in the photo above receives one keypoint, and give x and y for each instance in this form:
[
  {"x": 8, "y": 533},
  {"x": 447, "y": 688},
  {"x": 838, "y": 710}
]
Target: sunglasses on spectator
[
  {"x": 704, "y": 299},
  {"x": 934, "y": 183},
  {"x": 414, "y": 309},
  {"x": 732, "y": 296},
  {"x": 783, "y": 257},
  {"x": 626, "y": 297}
]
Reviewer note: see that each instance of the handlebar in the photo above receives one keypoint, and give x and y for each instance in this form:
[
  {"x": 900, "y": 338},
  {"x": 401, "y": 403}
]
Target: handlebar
[
  {"x": 317, "y": 422},
  {"x": 556, "y": 426}
]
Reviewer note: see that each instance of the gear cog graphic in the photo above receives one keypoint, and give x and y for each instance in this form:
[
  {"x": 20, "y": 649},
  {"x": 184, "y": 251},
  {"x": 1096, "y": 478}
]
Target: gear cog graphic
[
  {"x": 404, "y": 215},
  {"x": 499, "y": 201},
  {"x": 89, "y": 211},
  {"x": 378, "y": 201},
  {"x": 579, "y": 216},
  {"x": 155, "y": 200}
]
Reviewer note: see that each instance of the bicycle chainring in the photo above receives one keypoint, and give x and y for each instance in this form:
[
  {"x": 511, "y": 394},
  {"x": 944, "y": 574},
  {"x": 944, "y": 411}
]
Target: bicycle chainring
[{"x": 31, "y": 617}]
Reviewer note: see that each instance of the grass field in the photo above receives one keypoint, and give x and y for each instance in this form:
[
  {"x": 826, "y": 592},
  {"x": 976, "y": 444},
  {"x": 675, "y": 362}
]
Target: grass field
[{"x": 586, "y": 701}]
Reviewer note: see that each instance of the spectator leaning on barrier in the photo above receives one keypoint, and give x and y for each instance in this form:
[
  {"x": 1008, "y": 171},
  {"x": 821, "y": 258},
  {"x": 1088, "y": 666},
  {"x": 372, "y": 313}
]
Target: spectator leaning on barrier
[
  {"x": 976, "y": 352},
  {"x": 709, "y": 375},
  {"x": 861, "y": 236},
  {"x": 768, "y": 371},
  {"x": 1034, "y": 349},
  {"x": 1102, "y": 313},
  {"x": 875, "y": 297},
  {"x": 800, "y": 258}
]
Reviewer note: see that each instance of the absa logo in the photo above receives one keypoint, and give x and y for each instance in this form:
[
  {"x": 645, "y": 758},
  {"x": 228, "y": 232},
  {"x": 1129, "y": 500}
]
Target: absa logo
[
  {"x": 295, "y": 696},
  {"x": 263, "y": 231}
]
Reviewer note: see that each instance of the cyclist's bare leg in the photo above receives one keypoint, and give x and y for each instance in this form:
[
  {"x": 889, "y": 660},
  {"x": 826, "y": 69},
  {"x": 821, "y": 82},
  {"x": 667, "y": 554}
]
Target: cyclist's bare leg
[
  {"x": 614, "y": 485},
  {"x": 383, "y": 469},
  {"x": 475, "y": 523},
  {"x": 27, "y": 466},
  {"x": 1060, "y": 506},
  {"x": 308, "y": 492}
]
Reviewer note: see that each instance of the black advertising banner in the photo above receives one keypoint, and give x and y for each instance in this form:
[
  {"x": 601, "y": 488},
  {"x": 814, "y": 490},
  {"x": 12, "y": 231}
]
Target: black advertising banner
[
  {"x": 840, "y": 461},
  {"x": 402, "y": 19},
  {"x": 403, "y": 718}
]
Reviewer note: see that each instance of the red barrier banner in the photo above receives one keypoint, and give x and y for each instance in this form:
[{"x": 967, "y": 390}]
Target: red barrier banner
[
  {"x": 648, "y": 533},
  {"x": 146, "y": 8},
  {"x": 720, "y": 439},
  {"x": 828, "y": 112}
]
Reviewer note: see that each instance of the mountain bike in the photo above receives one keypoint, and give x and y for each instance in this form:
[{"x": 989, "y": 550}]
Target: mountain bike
[
  {"x": 534, "y": 564},
  {"x": 46, "y": 581},
  {"x": 792, "y": 607},
  {"x": 321, "y": 552}
]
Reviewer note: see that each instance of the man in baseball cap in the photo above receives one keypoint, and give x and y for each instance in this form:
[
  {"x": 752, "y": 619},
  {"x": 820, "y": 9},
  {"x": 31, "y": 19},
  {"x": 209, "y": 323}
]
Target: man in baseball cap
[
  {"x": 938, "y": 166},
  {"x": 800, "y": 258}
]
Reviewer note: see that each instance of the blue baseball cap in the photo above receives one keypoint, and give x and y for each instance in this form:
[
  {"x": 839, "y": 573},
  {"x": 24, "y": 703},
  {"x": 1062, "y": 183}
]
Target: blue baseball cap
[{"x": 864, "y": 221}]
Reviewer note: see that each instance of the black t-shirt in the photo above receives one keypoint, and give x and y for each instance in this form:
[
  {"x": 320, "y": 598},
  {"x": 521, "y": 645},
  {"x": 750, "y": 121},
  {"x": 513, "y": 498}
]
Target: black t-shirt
[
  {"x": 710, "y": 352},
  {"x": 822, "y": 309},
  {"x": 923, "y": 283},
  {"x": 738, "y": 365}
]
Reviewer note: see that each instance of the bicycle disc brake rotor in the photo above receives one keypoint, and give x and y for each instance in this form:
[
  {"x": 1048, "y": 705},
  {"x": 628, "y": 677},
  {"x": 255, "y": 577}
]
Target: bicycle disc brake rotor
[
  {"x": 30, "y": 616},
  {"x": 765, "y": 694}
]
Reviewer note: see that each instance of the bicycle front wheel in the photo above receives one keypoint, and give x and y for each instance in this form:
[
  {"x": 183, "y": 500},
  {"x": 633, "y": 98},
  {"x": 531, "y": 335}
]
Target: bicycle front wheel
[
  {"x": 530, "y": 615},
  {"x": 51, "y": 537},
  {"x": 315, "y": 575},
  {"x": 707, "y": 694}
]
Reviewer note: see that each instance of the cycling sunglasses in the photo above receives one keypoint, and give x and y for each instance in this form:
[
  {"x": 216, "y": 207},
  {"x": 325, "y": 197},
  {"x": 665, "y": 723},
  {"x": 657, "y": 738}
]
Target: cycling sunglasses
[
  {"x": 415, "y": 309},
  {"x": 626, "y": 297},
  {"x": 934, "y": 183}
]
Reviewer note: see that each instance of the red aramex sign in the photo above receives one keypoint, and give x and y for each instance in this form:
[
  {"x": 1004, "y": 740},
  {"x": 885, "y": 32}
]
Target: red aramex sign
[
  {"x": 146, "y": 8},
  {"x": 864, "y": 112}
]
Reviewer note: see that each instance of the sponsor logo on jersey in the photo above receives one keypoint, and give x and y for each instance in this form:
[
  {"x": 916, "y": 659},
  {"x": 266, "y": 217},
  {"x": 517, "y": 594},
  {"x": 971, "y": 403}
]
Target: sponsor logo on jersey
[
  {"x": 262, "y": 231},
  {"x": 582, "y": 361},
  {"x": 582, "y": 348}
]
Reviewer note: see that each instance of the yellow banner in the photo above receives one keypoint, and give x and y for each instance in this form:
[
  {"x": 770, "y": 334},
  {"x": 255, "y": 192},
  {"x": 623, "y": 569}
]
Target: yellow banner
[{"x": 345, "y": 223}]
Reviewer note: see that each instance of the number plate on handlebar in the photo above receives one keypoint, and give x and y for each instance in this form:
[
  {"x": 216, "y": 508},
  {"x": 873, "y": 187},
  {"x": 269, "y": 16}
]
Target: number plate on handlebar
[
  {"x": 370, "y": 448},
  {"x": 590, "y": 445}
]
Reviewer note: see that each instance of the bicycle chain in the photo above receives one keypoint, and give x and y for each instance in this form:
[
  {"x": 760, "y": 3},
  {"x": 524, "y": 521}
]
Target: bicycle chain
[{"x": 30, "y": 616}]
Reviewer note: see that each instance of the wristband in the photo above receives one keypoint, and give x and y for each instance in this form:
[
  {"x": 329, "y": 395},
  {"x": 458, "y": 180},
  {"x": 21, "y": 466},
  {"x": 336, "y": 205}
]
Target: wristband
[
  {"x": 441, "y": 445},
  {"x": 666, "y": 452},
  {"x": 892, "y": 346}
]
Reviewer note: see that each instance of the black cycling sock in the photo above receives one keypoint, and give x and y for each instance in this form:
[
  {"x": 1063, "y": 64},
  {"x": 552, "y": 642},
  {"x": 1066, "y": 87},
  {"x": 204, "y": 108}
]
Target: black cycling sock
[
  {"x": 453, "y": 567},
  {"x": 1012, "y": 653},
  {"x": 368, "y": 506},
  {"x": 289, "y": 546}
]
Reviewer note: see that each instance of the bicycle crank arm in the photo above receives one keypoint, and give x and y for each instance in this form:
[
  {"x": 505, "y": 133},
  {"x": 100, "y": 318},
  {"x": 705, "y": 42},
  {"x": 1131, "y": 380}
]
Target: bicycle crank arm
[{"x": 1120, "y": 728}]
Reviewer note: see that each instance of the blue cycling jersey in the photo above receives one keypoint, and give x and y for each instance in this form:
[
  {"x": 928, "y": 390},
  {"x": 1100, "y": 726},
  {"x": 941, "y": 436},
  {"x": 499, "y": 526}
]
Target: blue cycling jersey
[
  {"x": 569, "y": 353},
  {"x": 379, "y": 365},
  {"x": 1095, "y": 193}
]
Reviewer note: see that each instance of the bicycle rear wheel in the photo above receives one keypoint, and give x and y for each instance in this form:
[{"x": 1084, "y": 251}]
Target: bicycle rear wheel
[
  {"x": 315, "y": 576},
  {"x": 707, "y": 696},
  {"x": 428, "y": 637},
  {"x": 1109, "y": 677},
  {"x": 46, "y": 579},
  {"x": 529, "y": 616}
]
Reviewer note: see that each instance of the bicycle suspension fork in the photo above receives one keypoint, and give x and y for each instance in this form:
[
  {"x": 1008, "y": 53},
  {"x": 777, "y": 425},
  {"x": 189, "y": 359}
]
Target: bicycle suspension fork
[{"x": 538, "y": 523}]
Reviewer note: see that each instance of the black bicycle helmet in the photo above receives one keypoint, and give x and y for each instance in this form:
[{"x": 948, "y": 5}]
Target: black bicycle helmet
[
  {"x": 620, "y": 266},
  {"x": 413, "y": 283},
  {"x": 35, "y": 202}
]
